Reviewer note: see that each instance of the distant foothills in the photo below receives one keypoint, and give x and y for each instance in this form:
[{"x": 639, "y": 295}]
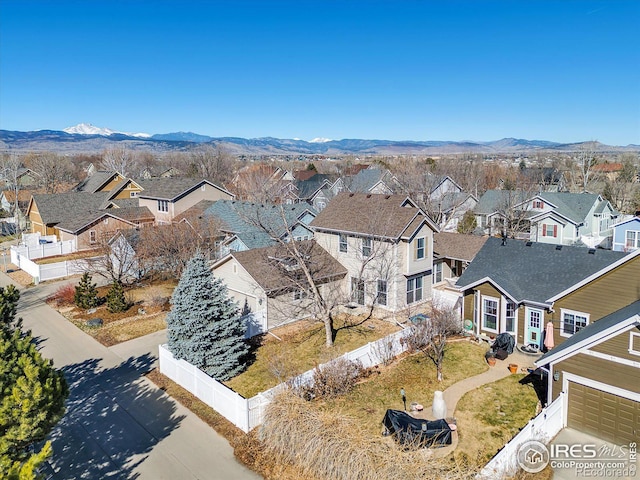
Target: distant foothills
[{"x": 86, "y": 138}]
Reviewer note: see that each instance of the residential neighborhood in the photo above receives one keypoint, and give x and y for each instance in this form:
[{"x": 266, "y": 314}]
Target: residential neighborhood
[{"x": 555, "y": 271}]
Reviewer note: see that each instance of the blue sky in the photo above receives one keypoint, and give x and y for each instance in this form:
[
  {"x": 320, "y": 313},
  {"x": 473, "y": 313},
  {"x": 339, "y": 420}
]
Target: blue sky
[{"x": 420, "y": 70}]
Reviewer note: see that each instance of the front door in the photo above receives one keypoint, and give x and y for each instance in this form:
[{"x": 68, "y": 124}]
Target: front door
[{"x": 533, "y": 328}]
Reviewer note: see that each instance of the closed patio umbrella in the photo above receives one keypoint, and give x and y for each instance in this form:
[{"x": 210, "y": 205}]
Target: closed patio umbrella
[{"x": 548, "y": 336}]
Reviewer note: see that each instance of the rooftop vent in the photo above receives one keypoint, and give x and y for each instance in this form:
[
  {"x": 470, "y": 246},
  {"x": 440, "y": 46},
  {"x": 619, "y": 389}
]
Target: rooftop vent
[
  {"x": 528, "y": 244},
  {"x": 351, "y": 194},
  {"x": 558, "y": 247},
  {"x": 368, "y": 195},
  {"x": 387, "y": 197},
  {"x": 592, "y": 251}
]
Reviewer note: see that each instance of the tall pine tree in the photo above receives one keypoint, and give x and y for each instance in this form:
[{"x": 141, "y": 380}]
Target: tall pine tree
[
  {"x": 86, "y": 295},
  {"x": 203, "y": 324},
  {"x": 32, "y": 395}
]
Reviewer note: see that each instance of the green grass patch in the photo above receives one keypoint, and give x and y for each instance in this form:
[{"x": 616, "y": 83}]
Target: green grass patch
[
  {"x": 491, "y": 415},
  {"x": 302, "y": 347},
  {"x": 370, "y": 399}
]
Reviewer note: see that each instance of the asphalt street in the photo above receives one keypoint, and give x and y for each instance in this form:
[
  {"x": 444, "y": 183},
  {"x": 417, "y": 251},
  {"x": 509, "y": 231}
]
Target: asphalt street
[{"x": 118, "y": 424}]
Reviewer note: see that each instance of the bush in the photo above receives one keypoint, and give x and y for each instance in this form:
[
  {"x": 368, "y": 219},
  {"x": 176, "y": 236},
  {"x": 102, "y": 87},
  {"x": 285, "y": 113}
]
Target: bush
[
  {"x": 333, "y": 379},
  {"x": 86, "y": 293},
  {"x": 116, "y": 300},
  {"x": 64, "y": 295}
]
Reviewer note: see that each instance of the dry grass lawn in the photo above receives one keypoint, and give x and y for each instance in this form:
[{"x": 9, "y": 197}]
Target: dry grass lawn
[
  {"x": 146, "y": 315},
  {"x": 370, "y": 399},
  {"x": 491, "y": 415},
  {"x": 68, "y": 257},
  {"x": 302, "y": 347}
]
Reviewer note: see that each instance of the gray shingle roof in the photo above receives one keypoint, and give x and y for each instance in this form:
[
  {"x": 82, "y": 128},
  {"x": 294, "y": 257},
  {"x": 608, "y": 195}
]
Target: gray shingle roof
[
  {"x": 169, "y": 188},
  {"x": 574, "y": 206},
  {"x": 58, "y": 207},
  {"x": 593, "y": 329},
  {"x": 244, "y": 219},
  {"x": 306, "y": 188},
  {"x": 457, "y": 246},
  {"x": 368, "y": 214},
  {"x": 536, "y": 272},
  {"x": 494, "y": 200},
  {"x": 92, "y": 183},
  {"x": 269, "y": 273},
  {"x": 364, "y": 180}
]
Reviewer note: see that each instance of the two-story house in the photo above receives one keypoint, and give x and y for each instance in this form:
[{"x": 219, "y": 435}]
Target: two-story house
[
  {"x": 167, "y": 198},
  {"x": 519, "y": 287},
  {"x": 386, "y": 244},
  {"x": 571, "y": 218},
  {"x": 626, "y": 234}
]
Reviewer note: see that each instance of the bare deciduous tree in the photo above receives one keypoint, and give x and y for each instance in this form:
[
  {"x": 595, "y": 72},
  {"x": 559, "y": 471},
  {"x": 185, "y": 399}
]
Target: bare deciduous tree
[
  {"x": 55, "y": 171},
  {"x": 213, "y": 163},
  {"x": 587, "y": 158},
  {"x": 117, "y": 159},
  {"x": 430, "y": 335}
]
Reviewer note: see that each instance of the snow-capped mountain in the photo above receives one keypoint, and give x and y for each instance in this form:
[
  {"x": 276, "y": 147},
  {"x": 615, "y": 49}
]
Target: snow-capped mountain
[
  {"x": 88, "y": 129},
  {"x": 320, "y": 140}
]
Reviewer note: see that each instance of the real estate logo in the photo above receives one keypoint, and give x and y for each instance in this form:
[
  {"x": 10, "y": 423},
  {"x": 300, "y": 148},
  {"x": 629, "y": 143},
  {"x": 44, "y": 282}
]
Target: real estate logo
[{"x": 533, "y": 456}]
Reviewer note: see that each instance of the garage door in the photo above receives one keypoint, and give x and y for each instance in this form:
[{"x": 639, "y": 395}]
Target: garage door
[{"x": 604, "y": 415}]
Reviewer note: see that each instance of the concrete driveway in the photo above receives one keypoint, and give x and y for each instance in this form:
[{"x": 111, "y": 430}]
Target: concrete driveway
[{"x": 118, "y": 424}]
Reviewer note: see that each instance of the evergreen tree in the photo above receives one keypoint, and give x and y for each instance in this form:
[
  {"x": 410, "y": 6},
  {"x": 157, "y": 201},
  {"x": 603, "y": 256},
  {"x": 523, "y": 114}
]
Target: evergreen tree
[
  {"x": 9, "y": 297},
  {"x": 86, "y": 293},
  {"x": 116, "y": 300},
  {"x": 32, "y": 395},
  {"x": 203, "y": 326}
]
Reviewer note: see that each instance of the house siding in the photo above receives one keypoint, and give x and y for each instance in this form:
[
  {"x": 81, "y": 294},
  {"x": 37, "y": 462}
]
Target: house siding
[
  {"x": 618, "y": 346},
  {"x": 620, "y": 234},
  {"x": 112, "y": 184},
  {"x": 240, "y": 285},
  {"x": 104, "y": 231},
  {"x": 601, "y": 297},
  {"x": 604, "y": 371}
]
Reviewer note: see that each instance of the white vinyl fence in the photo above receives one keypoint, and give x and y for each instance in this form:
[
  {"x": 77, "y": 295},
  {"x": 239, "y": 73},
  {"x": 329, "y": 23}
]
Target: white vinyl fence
[
  {"x": 49, "y": 271},
  {"x": 42, "y": 250},
  {"x": 247, "y": 414},
  {"x": 543, "y": 428}
]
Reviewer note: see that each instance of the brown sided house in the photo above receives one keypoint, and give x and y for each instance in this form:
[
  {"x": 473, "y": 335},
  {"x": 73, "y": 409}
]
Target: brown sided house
[
  {"x": 519, "y": 287},
  {"x": 595, "y": 375},
  {"x": 263, "y": 282},
  {"x": 452, "y": 254}
]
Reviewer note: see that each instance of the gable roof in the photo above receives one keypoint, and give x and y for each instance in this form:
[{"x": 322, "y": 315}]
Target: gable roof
[
  {"x": 307, "y": 188},
  {"x": 379, "y": 215},
  {"x": 457, "y": 246},
  {"x": 574, "y": 206},
  {"x": 96, "y": 181},
  {"x": 267, "y": 272},
  {"x": 76, "y": 223},
  {"x": 172, "y": 188},
  {"x": 611, "y": 325},
  {"x": 494, "y": 200},
  {"x": 365, "y": 180},
  {"x": 57, "y": 207},
  {"x": 534, "y": 272}
]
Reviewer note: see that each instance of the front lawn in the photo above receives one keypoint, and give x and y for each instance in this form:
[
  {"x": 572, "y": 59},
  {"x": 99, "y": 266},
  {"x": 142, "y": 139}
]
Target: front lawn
[
  {"x": 370, "y": 399},
  {"x": 150, "y": 304},
  {"x": 301, "y": 347},
  {"x": 491, "y": 415}
]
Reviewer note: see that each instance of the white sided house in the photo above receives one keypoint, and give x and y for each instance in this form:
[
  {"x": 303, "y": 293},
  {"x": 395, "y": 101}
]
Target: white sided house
[
  {"x": 386, "y": 244},
  {"x": 263, "y": 282}
]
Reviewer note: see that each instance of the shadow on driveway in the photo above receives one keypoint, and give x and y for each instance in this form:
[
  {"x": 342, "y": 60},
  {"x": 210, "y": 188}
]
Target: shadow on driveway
[{"x": 114, "y": 418}]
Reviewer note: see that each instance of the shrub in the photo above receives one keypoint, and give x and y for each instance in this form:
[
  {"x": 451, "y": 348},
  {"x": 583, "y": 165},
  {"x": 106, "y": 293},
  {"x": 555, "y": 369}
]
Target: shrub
[
  {"x": 64, "y": 295},
  {"x": 86, "y": 293},
  {"x": 116, "y": 300},
  {"x": 333, "y": 379}
]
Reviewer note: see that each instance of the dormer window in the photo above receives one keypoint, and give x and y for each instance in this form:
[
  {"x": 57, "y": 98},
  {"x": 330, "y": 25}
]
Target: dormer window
[
  {"x": 420, "y": 250},
  {"x": 539, "y": 204},
  {"x": 163, "y": 205}
]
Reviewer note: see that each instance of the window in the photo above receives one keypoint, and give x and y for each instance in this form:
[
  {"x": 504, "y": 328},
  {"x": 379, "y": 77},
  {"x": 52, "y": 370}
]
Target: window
[
  {"x": 572, "y": 322},
  {"x": 357, "y": 290},
  {"x": 634, "y": 343},
  {"x": 92, "y": 236},
  {"x": 343, "y": 243},
  {"x": 163, "y": 205},
  {"x": 203, "y": 187},
  {"x": 419, "y": 248},
  {"x": 456, "y": 268},
  {"x": 549, "y": 230},
  {"x": 490, "y": 314},
  {"x": 299, "y": 294},
  {"x": 437, "y": 272},
  {"x": 633, "y": 239},
  {"x": 414, "y": 290},
  {"x": 133, "y": 194},
  {"x": 510, "y": 319},
  {"x": 366, "y": 247},
  {"x": 381, "y": 297},
  {"x": 538, "y": 204}
]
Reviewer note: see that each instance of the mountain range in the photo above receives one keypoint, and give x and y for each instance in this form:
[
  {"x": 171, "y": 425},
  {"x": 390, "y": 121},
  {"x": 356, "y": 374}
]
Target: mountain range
[{"x": 86, "y": 138}]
